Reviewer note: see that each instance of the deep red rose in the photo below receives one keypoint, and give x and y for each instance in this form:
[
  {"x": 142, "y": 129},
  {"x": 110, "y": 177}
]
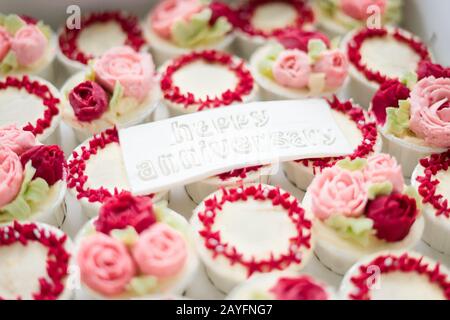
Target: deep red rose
[
  {"x": 47, "y": 160},
  {"x": 388, "y": 95},
  {"x": 123, "y": 210},
  {"x": 294, "y": 38},
  {"x": 88, "y": 100},
  {"x": 393, "y": 216},
  {"x": 298, "y": 288},
  {"x": 428, "y": 68},
  {"x": 220, "y": 9}
]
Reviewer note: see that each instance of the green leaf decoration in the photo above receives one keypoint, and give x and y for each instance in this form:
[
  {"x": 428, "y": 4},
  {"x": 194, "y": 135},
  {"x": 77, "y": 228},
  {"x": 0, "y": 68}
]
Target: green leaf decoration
[
  {"x": 128, "y": 236},
  {"x": 393, "y": 13},
  {"x": 380, "y": 189},
  {"x": 9, "y": 63},
  {"x": 2, "y": 19},
  {"x": 409, "y": 79},
  {"x": 411, "y": 192},
  {"x": 90, "y": 74},
  {"x": 13, "y": 23},
  {"x": 315, "y": 48},
  {"x": 142, "y": 285},
  {"x": 266, "y": 64},
  {"x": 335, "y": 42},
  {"x": 45, "y": 29},
  {"x": 36, "y": 191},
  {"x": 397, "y": 122},
  {"x": 161, "y": 214},
  {"x": 358, "y": 230},
  {"x": 352, "y": 165},
  {"x": 260, "y": 295},
  {"x": 116, "y": 96},
  {"x": 328, "y": 7}
]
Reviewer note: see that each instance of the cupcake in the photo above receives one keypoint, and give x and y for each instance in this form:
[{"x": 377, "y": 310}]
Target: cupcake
[
  {"x": 35, "y": 262},
  {"x": 431, "y": 179},
  {"x": 134, "y": 249},
  {"x": 199, "y": 190},
  {"x": 360, "y": 132},
  {"x": 98, "y": 32},
  {"x": 281, "y": 286},
  {"x": 396, "y": 275},
  {"x": 33, "y": 104},
  {"x": 303, "y": 65},
  {"x": 176, "y": 27},
  {"x": 361, "y": 207},
  {"x": 187, "y": 87},
  {"x": 258, "y": 21},
  {"x": 96, "y": 172},
  {"x": 249, "y": 230},
  {"x": 32, "y": 178},
  {"x": 413, "y": 115},
  {"x": 119, "y": 89},
  {"x": 380, "y": 55},
  {"x": 337, "y": 17},
  {"x": 27, "y": 46}
]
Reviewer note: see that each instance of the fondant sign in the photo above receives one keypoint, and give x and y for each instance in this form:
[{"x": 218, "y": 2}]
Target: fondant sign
[{"x": 180, "y": 150}]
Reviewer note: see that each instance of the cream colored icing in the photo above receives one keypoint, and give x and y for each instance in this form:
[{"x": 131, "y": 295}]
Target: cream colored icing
[
  {"x": 270, "y": 16},
  {"x": 99, "y": 37},
  {"x": 19, "y": 107},
  {"x": 443, "y": 188},
  {"x": 348, "y": 128}
]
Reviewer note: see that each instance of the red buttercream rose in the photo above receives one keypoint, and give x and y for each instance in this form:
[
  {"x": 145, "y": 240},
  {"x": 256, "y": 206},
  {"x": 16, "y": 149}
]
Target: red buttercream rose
[
  {"x": 48, "y": 162},
  {"x": 427, "y": 69},
  {"x": 88, "y": 100},
  {"x": 293, "y": 38},
  {"x": 125, "y": 210},
  {"x": 299, "y": 288},
  {"x": 393, "y": 216},
  {"x": 220, "y": 9},
  {"x": 388, "y": 95}
]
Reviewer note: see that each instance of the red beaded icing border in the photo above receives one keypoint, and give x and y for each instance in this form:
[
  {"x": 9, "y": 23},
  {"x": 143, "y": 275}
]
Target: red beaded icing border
[
  {"x": 391, "y": 263},
  {"x": 368, "y": 130},
  {"x": 173, "y": 93},
  {"x": 244, "y": 15},
  {"x": 238, "y": 173},
  {"x": 213, "y": 242},
  {"x": 428, "y": 185},
  {"x": 129, "y": 24},
  {"x": 58, "y": 258},
  {"x": 355, "y": 44},
  {"x": 41, "y": 91}
]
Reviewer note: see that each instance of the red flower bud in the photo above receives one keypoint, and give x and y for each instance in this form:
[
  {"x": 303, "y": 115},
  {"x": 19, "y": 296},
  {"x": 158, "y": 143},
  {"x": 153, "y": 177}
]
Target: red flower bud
[
  {"x": 294, "y": 38},
  {"x": 388, "y": 95},
  {"x": 47, "y": 160},
  {"x": 88, "y": 100},
  {"x": 298, "y": 288}
]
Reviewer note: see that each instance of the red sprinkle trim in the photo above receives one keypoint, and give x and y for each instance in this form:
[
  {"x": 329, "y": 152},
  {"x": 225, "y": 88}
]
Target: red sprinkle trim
[
  {"x": 52, "y": 285},
  {"x": 241, "y": 173},
  {"x": 129, "y": 24},
  {"x": 368, "y": 130},
  {"x": 354, "y": 47},
  {"x": 404, "y": 263},
  {"x": 173, "y": 93},
  {"x": 428, "y": 185},
  {"x": 245, "y": 13},
  {"x": 213, "y": 242},
  {"x": 39, "y": 90}
]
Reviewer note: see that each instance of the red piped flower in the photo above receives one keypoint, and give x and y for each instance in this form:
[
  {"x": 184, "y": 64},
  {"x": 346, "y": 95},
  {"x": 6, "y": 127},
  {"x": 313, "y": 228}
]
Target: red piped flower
[
  {"x": 220, "y": 9},
  {"x": 124, "y": 210},
  {"x": 428, "y": 68},
  {"x": 393, "y": 216},
  {"x": 47, "y": 160},
  {"x": 388, "y": 95},
  {"x": 294, "y": 38},
  {"x": 298, "y": 288},
  {"x": 88, "y": 100}
]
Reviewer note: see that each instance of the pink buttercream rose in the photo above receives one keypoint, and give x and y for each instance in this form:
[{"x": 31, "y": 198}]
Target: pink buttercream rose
[
  {"x": 160, "y": 251},
  {"x": 11, "y": 175},
  {"x": 105, "y": 264},
  {"x": 357, "y": 9},
  {"x": 334, "y": 65},
  {"x": 5, "y": 43},
  {"x": 338, "y": 191},
  {"x": 382, "y": 167},
  {"x": 167, "y": 12},
  {"x": 430, "y": 111},
  {"x": 134, "y": 71},
  {"x": 16, "y": 139},
  {"x": 292, "y": 68},
  {"x": 29, "y": 44}
]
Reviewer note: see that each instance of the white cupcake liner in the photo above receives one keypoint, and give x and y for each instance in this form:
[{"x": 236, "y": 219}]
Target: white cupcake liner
[
  {"x": 177, "y": 287},
  {"x": 437, "y": 228}
]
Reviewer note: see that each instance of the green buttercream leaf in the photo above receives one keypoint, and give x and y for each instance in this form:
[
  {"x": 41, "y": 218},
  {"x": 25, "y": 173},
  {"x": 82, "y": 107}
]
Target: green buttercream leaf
[
  {"x": 393, "y": 13},
  {"x": 142, "y": 285},
  {"x": 9, "y": 63},
  {"x": 128, "y": 236},
  {"x": 90, "y": 74},
  {"x": 352, "y": 165},
  {"x": 410, "y": 79},
  {"x": 161, "y": 214},
  {"x": 13, "y": 23},
  {"x": 397, "y": 122},
  {"x": 380, "y": 189},
  {"x": 328, "y": 7},
  {"x": 315, "y": 48},
  {"x": 358, "y": 230},
  {"x": 260, "y": 295},
  {"x": 36, "y": 191},
  {"x": 412, "y": 193},
  {"x": 117, "y": 96},
  {"x": 335, "y": 42},
  {"x": 2, "y": 19},
  {"x": 45, "y": 29},
  {"x": 266, "y": 64}
]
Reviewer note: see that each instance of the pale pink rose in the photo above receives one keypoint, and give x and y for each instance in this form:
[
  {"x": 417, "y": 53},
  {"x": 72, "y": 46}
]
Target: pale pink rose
[
  {"x": 16, "y": 139},
  {"x": 160, "y": 251},
  {"x": 357, "y": 9},
  {"x": 383, "y": 167},
  {"x": 134, "y": 71},
  {"x": 105, "y": 264},
  {"x": 167, "y": 12},
  {"x": 292, "y": 69},
  {"x": 334, "y": 65},
  {"x": 338, "y": 191},
  {"x": 29, "y": 44},
  {"x": 5, "y": 43},
  {"x": 430, "y": 111},
  {"x": 11, "y": 175}
]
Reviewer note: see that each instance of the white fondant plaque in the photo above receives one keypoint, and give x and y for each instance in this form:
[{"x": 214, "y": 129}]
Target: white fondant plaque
[{"x": 184, "y": 149}]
